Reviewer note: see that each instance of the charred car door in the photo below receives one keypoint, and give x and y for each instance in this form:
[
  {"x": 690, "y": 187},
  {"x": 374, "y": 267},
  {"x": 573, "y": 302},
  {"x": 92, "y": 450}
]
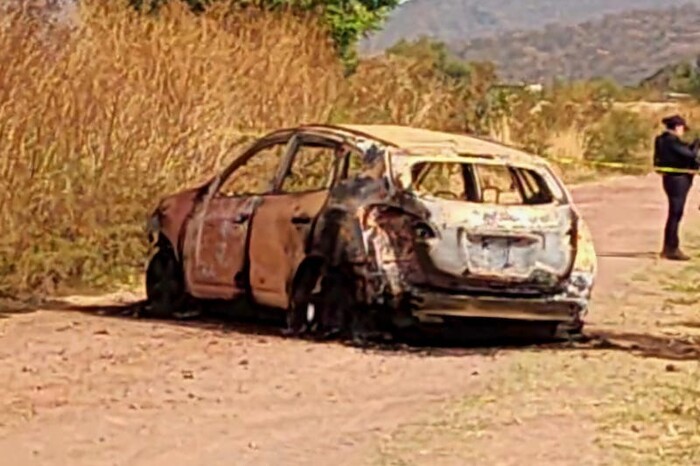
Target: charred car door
[
  {"x": 216, "y": 237},
  {"x": 284, "y": 220}
]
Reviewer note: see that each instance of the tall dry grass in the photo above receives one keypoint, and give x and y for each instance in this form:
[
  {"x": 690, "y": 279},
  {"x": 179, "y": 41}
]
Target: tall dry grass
[
  {"x": 407, "y": 91},
  {"x": 99, "y": 121}
]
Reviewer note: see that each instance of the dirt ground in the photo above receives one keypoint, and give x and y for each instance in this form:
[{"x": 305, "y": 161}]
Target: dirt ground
[{"x": 84, "y": 387}]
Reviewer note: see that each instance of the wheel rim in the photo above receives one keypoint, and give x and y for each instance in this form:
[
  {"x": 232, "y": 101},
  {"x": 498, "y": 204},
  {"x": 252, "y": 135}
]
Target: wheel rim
[{"x": 310, "y": 312}]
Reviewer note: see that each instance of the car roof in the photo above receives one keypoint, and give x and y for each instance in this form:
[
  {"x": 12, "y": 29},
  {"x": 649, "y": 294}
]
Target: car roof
[{"x": 416, "y": 140}]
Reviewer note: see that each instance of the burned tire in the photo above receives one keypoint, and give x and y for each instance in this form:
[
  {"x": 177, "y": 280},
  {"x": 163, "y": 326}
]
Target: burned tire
[
  {"x": 299, "y": 322},
  {"x": 324, "y": 304},
  {"x": 337, "y": 310},
  {"x": 165, "y": 285}
]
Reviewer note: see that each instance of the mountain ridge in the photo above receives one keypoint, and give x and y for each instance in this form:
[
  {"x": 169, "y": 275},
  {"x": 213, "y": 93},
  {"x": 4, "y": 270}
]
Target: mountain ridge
[
  {"x": 462, "y": 20},
  {"x": 627, "y": 47}
]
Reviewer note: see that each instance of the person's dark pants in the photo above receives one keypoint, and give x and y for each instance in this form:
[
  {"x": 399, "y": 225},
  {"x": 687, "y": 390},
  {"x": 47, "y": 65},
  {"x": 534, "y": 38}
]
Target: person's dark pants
[{"x": 676, "y": 187}]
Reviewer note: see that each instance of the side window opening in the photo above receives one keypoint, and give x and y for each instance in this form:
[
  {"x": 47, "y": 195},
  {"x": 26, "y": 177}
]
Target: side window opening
[
  {"x": 311, "y": 168},
  {"x": 498, "y": 186},
  {"x": 353, "y": 165},
  {"x": 256, "y": 176},
  {"x": 534, "y": 188},
  {"x": 481, "y": 183},
  {"x": 441, "y": 180}
]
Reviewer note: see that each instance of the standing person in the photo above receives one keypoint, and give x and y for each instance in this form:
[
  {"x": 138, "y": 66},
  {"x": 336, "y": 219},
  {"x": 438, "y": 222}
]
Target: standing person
[{"x": 670, "y": 152}]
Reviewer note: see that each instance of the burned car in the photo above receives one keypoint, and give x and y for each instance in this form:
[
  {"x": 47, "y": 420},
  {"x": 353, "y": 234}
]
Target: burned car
[{"x": 390, "y": 227}]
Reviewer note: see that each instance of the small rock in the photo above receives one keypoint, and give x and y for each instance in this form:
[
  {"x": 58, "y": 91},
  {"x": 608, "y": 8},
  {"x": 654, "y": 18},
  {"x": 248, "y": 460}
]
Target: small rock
[
  {"x": 243, "y": 362},
  {"x": 101, "y": 332},
  {"x": 187, "y": 374},
  {"x": 672, "y": 368},
  {"x": 252, "y": 445},
  {"x": 475, "y": 373}
]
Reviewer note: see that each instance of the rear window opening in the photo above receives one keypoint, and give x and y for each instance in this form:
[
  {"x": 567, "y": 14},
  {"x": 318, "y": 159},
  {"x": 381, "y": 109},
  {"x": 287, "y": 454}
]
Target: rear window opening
[{"x": 480, "y": 183}]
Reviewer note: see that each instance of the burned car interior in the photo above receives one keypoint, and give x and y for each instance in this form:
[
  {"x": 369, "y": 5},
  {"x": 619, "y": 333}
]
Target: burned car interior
[{"x": 482, "y": 183}]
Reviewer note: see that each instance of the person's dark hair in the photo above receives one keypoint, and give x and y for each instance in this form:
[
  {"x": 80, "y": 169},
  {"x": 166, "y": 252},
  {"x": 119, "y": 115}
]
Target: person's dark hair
[{"x": 674, "y": 121}]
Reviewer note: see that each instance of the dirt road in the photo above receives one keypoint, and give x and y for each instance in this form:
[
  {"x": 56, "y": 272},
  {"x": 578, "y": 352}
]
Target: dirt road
[{"x": 85, "y": 389}]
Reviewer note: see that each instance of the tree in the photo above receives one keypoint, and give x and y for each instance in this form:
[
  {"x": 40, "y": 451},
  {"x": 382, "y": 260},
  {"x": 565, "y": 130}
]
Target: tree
[{"x": 348, "y": 20}]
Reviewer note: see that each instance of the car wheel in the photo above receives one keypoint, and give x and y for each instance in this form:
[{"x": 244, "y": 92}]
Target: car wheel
[
  {"x": 165, "y": 286},
  {"x": 301, "y": 314},
  {"x": 324, "y": 305}
]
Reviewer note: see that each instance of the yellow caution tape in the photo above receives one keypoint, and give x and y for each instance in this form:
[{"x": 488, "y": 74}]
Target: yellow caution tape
[{"x": 621, "y": 165}]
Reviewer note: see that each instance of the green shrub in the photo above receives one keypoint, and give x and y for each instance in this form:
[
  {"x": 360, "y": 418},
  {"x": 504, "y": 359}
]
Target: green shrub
[{"x": 620, "y": 137}]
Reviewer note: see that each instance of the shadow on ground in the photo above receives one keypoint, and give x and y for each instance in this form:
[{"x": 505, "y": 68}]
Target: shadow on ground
[
  {"x": 485, "y": 337},
  {"x": 8, "y": 308},
  {"x": 645, "y": 345},
  {"x": 628, "y": 255}
]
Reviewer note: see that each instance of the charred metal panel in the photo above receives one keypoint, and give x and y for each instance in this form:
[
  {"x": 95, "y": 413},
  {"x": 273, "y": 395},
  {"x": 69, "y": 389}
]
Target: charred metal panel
[
  {"x": 214, "y": 247},
  {"x": 173, "y": 212},
  {"x": 542, "y": 309},
  {"x": 280, "y": 231},
  {"x": 523, "y": 254},
  {"x": 520, "y": 243}
]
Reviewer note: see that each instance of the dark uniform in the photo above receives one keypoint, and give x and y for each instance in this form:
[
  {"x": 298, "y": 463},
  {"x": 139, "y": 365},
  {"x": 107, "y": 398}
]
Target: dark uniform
[{"x": 671, "y": 152}]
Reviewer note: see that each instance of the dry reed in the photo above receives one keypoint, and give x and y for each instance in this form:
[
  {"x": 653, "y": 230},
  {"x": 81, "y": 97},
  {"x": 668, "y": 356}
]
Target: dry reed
[{"x": 98, "y": 121}]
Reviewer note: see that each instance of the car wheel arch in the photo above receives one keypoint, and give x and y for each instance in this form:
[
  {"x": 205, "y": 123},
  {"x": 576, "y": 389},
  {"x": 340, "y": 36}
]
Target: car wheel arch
[{"x": 310, "y": 266}]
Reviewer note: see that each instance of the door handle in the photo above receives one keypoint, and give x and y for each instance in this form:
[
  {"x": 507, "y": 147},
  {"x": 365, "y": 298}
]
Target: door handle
[{"x": 301, "y": 219}]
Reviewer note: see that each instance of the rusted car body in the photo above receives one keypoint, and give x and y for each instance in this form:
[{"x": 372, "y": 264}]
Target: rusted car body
[{"x": 427, "y": 225}]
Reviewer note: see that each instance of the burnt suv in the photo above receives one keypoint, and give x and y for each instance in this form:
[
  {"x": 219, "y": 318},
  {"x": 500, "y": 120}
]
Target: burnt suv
[{"x": 389, "y": 224}]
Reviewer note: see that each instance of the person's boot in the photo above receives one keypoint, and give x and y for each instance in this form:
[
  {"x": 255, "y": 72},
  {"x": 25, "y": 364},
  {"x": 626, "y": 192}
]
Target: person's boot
[{"x": 675, "y": 255}]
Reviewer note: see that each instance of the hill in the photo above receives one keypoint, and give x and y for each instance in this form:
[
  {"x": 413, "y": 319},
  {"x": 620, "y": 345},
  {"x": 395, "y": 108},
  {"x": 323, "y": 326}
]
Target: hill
[
  {"x": 678, "y": 77},
  {"x": 455, "y": 21},
  {"x": 627, "y": 47}
]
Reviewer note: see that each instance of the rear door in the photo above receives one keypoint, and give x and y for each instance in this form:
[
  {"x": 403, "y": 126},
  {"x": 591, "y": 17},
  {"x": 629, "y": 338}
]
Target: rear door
[
  {"x": 499, "y": 224},
  {"x": 216, "y": 238},
  {"x": 284, "y": 220}
]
